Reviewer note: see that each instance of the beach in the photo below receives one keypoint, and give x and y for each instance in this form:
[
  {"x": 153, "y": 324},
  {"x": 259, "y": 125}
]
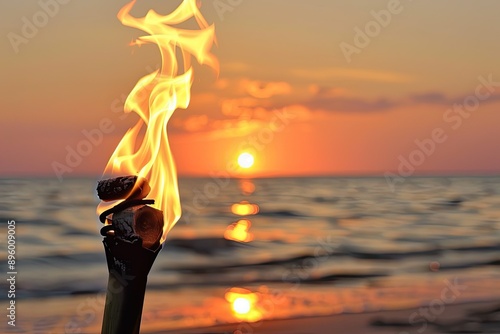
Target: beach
[
  {"x": 376, "y": 323},
  {"x": 67, "y": 315}
]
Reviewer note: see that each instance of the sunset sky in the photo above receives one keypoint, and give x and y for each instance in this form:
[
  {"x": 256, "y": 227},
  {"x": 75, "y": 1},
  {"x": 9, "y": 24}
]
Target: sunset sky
[{"x": 316, "y": 87}]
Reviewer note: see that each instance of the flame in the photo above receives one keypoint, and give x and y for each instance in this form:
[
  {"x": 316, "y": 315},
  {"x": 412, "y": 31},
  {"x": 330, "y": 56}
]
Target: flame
[
  {"x": 245, "y": 209},
  {"x": 155, "y": 98},
  {"x": 244, "y": 304},
  {"x": 239, "y": 231}
]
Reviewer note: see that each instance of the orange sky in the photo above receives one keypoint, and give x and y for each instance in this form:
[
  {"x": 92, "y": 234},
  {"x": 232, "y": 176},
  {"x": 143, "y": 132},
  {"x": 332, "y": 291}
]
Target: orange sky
[{"x": 299, "y": 87}]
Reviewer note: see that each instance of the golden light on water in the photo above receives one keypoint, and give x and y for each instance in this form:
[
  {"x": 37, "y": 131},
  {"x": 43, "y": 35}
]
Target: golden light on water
[
  {"x": 247, "y": 187},
  {"x": 245, "y": 208},
  {"x": 244, "y": 304},
  {"x": 144, "y": 150},
  {"x": 239, "y": 231},
  {"x": 246, "y": 160}
]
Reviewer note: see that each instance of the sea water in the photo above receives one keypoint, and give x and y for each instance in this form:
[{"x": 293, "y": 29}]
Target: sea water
[{"x": 311, "y": 238}]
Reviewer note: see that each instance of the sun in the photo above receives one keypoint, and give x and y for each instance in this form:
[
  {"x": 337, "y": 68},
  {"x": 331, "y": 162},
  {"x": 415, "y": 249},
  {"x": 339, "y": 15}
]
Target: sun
[{"x": 245, "y": 160}]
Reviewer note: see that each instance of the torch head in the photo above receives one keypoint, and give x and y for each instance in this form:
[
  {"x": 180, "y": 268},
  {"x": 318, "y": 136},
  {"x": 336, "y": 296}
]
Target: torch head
[{"x": 132, "y": 220}]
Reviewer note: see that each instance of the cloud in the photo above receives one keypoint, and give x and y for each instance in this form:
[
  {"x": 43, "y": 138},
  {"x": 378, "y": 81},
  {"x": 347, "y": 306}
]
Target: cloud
[
  {"x": 195, "y": 123},
  {"x": 242, "y": 108},
  {"x": 437, "y": 98},
  {"x": 233, "y": 128},
  {"x": 430, "y": 98},
  {"x": 327, "y": 100},
  {"x": 342, "y": 104},
  {"x": 265, "y": 90},
  {"x": 341, "y": 73},
  {"x": 325, "y": 91},
  {"x": 236, "y": 67},
  {"x": 237, "y": 107}
]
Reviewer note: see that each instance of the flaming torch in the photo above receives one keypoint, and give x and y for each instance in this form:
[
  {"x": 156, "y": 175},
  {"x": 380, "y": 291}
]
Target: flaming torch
[{"x": 142, "y": 165}]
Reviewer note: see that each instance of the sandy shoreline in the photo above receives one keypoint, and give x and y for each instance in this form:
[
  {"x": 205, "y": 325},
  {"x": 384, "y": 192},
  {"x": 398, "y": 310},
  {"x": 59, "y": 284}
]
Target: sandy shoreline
[
  {"x": 363, "y": 323},
  {"x": 83, "y": 314}
]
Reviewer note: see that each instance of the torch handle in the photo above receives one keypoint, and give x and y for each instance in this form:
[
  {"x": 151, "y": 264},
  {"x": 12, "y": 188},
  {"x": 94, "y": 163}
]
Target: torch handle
[
  {"x": 128, "y": 265},
  {"x": 124, "y": 303}
]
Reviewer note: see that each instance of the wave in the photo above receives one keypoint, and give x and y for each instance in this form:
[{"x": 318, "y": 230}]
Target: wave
[
  {"x": 206, "y": 246},
  {"x": 282, "y": 213},
  {"x": 366, "y": 255},
  {"x": 468, "y": 265},
  {"x": 215, "y": 269}
]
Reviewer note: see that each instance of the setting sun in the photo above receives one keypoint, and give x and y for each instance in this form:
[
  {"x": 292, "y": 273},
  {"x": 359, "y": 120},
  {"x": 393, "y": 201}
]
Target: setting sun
[{"x": 245, "y": 160}]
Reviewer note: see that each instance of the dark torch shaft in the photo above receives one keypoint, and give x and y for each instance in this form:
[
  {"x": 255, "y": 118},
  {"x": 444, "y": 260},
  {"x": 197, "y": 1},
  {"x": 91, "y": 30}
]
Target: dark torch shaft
[
  {"x": 126, "y": 286},
  {"x": 131, "y": 243},
  {"x": 124, "y": 303}
]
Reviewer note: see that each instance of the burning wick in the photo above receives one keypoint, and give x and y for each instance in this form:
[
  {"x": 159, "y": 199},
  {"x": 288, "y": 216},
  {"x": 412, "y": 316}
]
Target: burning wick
[{"x": 132, "y": 220}]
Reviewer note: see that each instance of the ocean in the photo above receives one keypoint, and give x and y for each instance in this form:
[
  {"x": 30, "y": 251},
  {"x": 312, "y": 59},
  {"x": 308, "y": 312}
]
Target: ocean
[{"x": 304, "y": 247}]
